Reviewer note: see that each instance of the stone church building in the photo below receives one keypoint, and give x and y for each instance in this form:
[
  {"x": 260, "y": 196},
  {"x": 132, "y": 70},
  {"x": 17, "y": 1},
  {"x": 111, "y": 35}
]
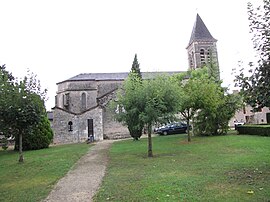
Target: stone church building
[{"x": 81, "y": 104}]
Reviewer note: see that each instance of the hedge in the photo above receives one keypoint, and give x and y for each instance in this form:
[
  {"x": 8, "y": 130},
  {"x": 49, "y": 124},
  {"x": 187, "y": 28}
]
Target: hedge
[{"x": 262, "y": 130}]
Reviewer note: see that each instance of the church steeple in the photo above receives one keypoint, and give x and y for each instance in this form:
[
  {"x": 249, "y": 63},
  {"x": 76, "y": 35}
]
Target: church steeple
[
  {"x": 200, "y": 32},
  {"x": 202, "y": 46}
]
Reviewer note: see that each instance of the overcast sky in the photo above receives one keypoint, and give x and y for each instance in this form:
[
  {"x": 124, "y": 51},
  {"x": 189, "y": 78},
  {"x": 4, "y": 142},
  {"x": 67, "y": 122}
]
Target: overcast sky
[{"x": 58, "y": 39}]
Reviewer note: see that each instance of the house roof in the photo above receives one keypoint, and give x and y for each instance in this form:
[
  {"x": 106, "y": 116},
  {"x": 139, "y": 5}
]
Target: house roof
[
  {"x": 200, "y": 32},
  {"x": 114, "y": 76}
]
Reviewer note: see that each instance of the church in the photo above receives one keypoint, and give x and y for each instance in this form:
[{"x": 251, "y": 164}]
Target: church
[{"x": 81, "y": 102}]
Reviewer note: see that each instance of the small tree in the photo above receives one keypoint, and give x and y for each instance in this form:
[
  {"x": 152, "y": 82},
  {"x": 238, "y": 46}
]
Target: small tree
[
  {"x": 39, "y": 137},
  {"x": 129, "y": 105},
  {"x": 21, "y": 107},
  {"x": 197, "y": 93},
  {"x": 161, "y": 98},
  {"x": 215, "y": 122},
  {"x": 146, "y": 102}
]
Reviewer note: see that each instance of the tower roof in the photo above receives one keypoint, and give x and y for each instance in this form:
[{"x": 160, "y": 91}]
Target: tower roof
[{"x": 200, "y": 32}]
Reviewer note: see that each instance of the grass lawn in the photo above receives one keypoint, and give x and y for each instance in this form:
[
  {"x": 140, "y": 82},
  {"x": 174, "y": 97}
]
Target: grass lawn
[
  {"x": 223, "y": 168},
  {"x": 33, "y": 180}
]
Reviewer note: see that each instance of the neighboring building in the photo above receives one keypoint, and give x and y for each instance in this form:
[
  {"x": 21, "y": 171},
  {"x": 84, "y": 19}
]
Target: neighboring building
[
  {"x": 247, "y": 115},
  {"x": 81, "y": 107}
]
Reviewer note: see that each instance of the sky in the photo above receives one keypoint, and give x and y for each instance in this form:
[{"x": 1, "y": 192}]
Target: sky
[{"x": 59, "y": 39}]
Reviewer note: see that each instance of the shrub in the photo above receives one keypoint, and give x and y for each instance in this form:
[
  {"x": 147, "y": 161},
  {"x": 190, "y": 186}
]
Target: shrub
[
  {"x": 38, "y": 138},
  {"x": 262, "y": 130},
  {"x": 4, "y": 143}
]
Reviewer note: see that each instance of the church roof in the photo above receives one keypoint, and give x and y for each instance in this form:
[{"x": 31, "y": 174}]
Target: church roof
[
  {"x": 200, "y": 32},
  {"x": 114, "y": 76}
]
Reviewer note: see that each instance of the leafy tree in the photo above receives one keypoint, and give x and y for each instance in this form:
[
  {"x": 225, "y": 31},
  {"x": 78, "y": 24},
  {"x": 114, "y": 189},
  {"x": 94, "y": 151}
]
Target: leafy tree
[
  {"x": 132, "y": 108},
  {"x": 215, "y": 122},
  {"x": 21, "y": 107},
  {"x": 256, "y": 88},
  {"x": 39, "y": 137},
  {"x": 161, "y": 102},
  {"x": 129, "y": 105},
  {"x": 146, "y": 103},
  {"x": 197, "y": 92}
]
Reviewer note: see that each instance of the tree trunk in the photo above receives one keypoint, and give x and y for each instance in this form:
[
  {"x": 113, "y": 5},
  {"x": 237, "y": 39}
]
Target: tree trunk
[
  {"x": 188, "y": 131},
  {"x": 150, "y": 152},
  {"x": 20, "y": 148}
]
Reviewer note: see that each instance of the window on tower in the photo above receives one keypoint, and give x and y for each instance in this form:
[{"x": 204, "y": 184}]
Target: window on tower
[{"x": 202, "y": 54}]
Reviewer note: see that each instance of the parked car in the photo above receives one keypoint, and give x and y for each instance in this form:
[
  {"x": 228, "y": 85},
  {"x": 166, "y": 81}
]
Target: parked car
[{"x": 172, "y": 128}]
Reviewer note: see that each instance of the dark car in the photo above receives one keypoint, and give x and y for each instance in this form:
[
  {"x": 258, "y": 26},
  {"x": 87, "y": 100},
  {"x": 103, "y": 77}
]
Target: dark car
[{"x": 172, "y": 128}]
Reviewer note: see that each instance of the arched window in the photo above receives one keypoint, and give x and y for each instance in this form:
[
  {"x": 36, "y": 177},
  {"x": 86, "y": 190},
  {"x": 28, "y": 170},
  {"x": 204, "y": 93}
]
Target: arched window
[
  {"x": 83, "y": 100},
  {"x": 70, "y": 126},
  {"x": 202, "y": 54}
]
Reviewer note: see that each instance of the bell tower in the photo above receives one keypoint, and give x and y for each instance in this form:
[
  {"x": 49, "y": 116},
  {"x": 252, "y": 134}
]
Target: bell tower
[{"x": 202, "y": 50}]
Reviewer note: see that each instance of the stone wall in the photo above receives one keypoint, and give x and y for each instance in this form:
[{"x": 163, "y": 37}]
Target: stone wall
[
  {"x": 113, "y": 129},
  {"x": 79, "y": 132},
  {"x": 105, "y": 87}
]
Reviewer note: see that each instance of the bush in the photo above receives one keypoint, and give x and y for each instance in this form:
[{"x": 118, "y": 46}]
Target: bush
[
  {"x": 262, "y": 130},
  {"x": 38, "y": 138},
  {"x": 4, "y": 143}
]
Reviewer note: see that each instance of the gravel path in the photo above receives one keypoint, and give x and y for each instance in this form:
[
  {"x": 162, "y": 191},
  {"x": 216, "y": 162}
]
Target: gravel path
[{"x": 82, "y": 182}]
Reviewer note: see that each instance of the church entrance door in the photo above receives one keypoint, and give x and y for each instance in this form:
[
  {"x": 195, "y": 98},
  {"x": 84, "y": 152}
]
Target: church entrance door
[{"x": 90, "y": 128}]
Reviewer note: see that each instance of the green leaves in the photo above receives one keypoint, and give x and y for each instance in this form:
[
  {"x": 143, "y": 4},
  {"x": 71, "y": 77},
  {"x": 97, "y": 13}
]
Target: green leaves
[
  {"x": 21, "y": 104},
  {"x": 256, "y": 87}
]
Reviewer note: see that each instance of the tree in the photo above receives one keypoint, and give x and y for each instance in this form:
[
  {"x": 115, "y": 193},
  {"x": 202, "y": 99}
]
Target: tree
[
  {"x": 132, "y": 106},
  {"x": 39, "y": 137},
  {"x": 256, "y": 88},
  {"x": 21, "y": 106},
  {"x": 146, "y": 103},
  {"x": 197, "y": 92},
  {"x": 215, "y": 122},
  {"x": 136, "y": 67},
  {"x": 161, "y": 101},
  {"x": 129, "y": 104}
]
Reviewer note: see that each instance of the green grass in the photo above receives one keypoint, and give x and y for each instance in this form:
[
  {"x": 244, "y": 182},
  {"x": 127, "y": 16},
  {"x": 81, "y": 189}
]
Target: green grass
[
  {"x": 33, "y": 179},
  {"x": 222, "y": 168}
]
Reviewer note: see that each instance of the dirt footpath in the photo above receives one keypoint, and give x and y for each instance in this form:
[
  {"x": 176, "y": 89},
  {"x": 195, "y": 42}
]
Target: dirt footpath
[{"x": 82, "y": 182}]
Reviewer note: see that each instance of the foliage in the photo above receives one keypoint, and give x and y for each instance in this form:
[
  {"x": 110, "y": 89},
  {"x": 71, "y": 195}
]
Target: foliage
[
  {"x": 4, "y": 143},
  {"x": 215, "y": 122},
  {"x": 21, "y": 106},
  {"x": 146, "y": 102},
  {"x": 34, "y": 179},
  {"x": 129, "y": 105},
  {"x": 161, "y": 101},
  {"x": 256, "y": 88},
  {"x": 220, "y": 168},
  {"x": 39, "y": 137},
  {"x": 263, "y": 130},
  {"x": 199, "y": 92},
  {"x": 205, "y": 102},
  {"x": 136, "y": 67}
]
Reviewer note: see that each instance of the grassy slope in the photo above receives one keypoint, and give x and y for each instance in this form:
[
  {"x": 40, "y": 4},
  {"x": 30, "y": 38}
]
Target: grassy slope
[
  {"x": 33, "y": 180},
  {"x": 221, "y": 168}
]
